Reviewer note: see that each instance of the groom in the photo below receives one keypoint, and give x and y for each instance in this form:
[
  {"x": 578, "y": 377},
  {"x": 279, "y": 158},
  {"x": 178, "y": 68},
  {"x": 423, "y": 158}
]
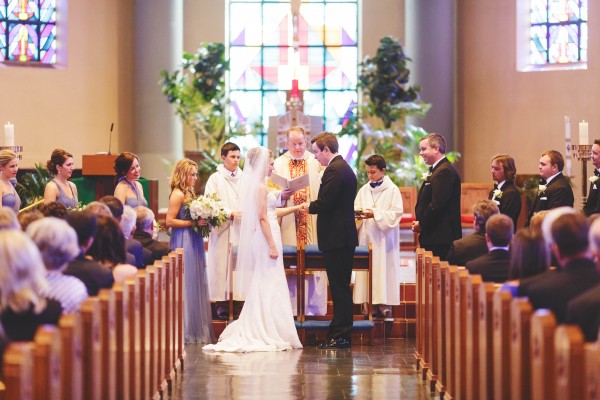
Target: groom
[{"x": 336, "y": 233}]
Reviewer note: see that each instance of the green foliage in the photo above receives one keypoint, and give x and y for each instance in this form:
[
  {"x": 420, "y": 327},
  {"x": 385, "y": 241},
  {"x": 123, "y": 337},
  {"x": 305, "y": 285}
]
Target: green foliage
[{"x": 31, "y": 185}]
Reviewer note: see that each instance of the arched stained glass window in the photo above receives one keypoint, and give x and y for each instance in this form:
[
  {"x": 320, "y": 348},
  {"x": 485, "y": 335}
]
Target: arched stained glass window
[
  {"x": 559, "y": 31},
  {"x": 265, "y": 58},
  {"x": 28, "y": 31}
]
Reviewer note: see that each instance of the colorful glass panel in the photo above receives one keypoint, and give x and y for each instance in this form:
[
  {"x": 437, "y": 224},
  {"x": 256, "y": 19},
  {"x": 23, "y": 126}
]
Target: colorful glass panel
[
  {"x": 264, "y": 61},
  {"x": 558, "y": 31},
  {"x": 28, "y": 31}
]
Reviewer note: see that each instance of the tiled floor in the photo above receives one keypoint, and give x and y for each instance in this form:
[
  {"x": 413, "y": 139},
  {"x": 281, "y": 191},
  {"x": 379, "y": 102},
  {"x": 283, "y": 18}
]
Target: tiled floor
[{"x": 383, "y": 371}]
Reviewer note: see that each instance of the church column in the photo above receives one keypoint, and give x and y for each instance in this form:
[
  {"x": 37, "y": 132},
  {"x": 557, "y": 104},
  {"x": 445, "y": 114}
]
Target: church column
[
  {"x": 157, "y": 131},
  {"x": 430, "y": 42}
]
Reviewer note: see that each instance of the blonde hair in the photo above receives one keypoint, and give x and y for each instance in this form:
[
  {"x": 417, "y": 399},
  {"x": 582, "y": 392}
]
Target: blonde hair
[
  {"x": 6, "y": 156},
  {"x": 180, "y": 175},
  {"x": 22, "y": 274},
  {"x": 8, "y": 219}
]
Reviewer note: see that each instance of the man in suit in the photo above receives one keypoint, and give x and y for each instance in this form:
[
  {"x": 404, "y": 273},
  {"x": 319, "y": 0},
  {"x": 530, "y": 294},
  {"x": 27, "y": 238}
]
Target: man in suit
[
  {"x": 336, "y": 234},
  {"x": 504, "y": 193},
  {"x": 474, "y": 245},
  {"x": 554, "y": 289},
  {"x": 438, "y": 204},
  {"x": 555, "y": 189},
  {"x": 493, "y": 266},
  {"x": 592, "y": 205},
  {"x": 144, "y": 229}
]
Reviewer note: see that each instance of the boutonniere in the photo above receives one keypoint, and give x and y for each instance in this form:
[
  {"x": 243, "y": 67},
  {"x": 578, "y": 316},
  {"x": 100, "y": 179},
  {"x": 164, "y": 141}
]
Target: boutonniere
[
  {"x": 593, "y": 178},
  {"x": 541, "y": 189},
  {"x": 425, "y": 175},
  {"x": 497, "y": 194}
]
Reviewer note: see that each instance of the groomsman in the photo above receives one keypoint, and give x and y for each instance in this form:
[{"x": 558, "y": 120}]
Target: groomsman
[
  {"x": 504, "y": 193},
  {"x": 555, "y": 189},
  {"x": 592, "y": 205},
  {"x": 438, "y": 204}
]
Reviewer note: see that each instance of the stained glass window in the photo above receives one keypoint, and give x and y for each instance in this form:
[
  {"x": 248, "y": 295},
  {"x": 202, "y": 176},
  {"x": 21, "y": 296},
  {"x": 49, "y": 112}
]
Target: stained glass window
[
  {"x": 28, "y": 31},
  {"x": 264, "y": 59},
  {"x": 559, "y": 31}
]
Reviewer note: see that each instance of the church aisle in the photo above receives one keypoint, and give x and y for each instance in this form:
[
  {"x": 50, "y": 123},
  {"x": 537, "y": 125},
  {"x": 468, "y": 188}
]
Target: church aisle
[{"x": 384, "y": 371}]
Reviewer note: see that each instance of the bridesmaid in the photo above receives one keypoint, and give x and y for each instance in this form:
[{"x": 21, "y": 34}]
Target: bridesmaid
[
  {"x": 127, "y": 172},
  {"x": 9, "y": 165},
  {"x": 59, "y": 189},
  {"x": 197, "y": 312}
]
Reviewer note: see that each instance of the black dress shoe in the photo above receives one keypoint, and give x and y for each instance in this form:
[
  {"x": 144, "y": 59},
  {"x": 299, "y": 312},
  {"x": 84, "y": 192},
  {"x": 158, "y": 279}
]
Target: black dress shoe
[{"x": 339, "y": 343}]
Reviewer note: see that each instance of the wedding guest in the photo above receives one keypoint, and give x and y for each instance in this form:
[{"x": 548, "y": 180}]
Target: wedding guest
[
  {"x": 381, "y": 205},
  {"x": 98, "y": 208},
  {"x": 127, "y": 173},
  {"x": 9, "y": 165},
  {"x": 108, "y": 248},
  {"x": 134, "y": 249},
  {"x": 59, "y": 189},
  {"x": 299, "y": 229},
  {"x": 493, "y": 266},
  {"x": 133, "y": 246},
  {"x": 197, "y": 313},
  {"x": 535, "y": 225},
  {"x": 336, "y": 234},
  {"x": 8, "y": 219},
  {"x": 54, "y": 209},
  {"x": 474, "y": 245},
  {"x": 27, "y": 217},
  {"x": 592, "y": 204},
  {"x": 144, "y": 233},
  {"x": 555, "y": 190},
  {"x": 529, "y": 256},
  {"x": 57, "y": 243},
  {"x": 505, "y": 193},
  {"x": 226, "y": 184},
  {"x": 22, "y": 306},
  {"x": 93, "y": 275},
  {"x": 438, "y": 205}
]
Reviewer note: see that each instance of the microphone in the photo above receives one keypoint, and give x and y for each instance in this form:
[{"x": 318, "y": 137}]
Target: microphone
[{"x": 112, "y": 125}]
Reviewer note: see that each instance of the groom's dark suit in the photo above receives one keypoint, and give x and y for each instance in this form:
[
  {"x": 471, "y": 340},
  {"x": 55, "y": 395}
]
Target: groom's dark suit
[
  {"x": 438, "y": 209},
  {"x": 592, "y": 205},
  {"x": 337, "y": 236},
  {"x": 558, "y": 193},
  {"x": 509, "y": 201}
]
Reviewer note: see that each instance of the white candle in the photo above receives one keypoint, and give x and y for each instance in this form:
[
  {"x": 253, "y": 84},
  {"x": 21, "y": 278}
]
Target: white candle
[
  {"x": 583, "y": 133},
  {"x": 9, "y": 134}
]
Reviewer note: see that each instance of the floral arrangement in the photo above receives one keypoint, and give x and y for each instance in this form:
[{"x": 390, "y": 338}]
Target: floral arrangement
[
  {"x": 206, "y": 207},
  {"x": 497, "y": 194}
]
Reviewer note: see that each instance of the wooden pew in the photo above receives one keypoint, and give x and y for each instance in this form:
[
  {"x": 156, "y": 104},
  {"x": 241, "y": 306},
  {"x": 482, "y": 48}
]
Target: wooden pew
[
  {"x": 180, "y": 278},
  {"x": 501, "y": 344},
  {"x": 440, "y": 325},
  {"x": 108, "y": 365},
  {"x": 520, "y": 361},
  {"x": 132, "y": 302},
  {"x": 434, "y": 367},
  {"x": 420, "y": 261},
  {"x": 425, "y": 313},
  {"x": 474, "y": 283},
  {"x": 152, "y": 285},
  {"x": 92, "y": 349},
  {"x": 47, "y": 363},
  {"x": 18, "y": 371},
  {"x": 543, "y": 326},
  {"x": 450, "y": 321},
  {"x": 168, "y": 321},
  {"x": 591, "y": 383},
  {"x": 144, "y": 336},
  {"x": 71, "y": 332},
  {"x": 123, "y": 368},
  {"x": 161, "y": 285},
  {"x": 486, "y": 365},
  {"x": 569, "y": 362},
  {"x": 460, "y": 329}
]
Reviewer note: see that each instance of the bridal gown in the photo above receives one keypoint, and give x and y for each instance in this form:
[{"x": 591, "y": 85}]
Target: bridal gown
[{"x": 266, "y": 322}]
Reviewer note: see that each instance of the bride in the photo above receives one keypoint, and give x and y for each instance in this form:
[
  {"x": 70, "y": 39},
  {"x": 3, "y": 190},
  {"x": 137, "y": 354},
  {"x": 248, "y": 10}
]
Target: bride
[{"x": 266, "y": 322}]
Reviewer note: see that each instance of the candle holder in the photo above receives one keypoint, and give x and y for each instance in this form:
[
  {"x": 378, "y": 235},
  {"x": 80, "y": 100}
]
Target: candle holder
[{"x": 583, "y": 152}]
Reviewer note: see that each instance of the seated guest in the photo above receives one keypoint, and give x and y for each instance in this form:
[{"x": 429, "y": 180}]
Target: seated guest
[
  {"x": 98, "y": 208},
  {"x": 535, "y": 225},
  {"x": 54, "y": 209},
  {"x": 505, "y": 193},
  {"x": 472, "y": 246},
  {"x": 144, "y": 230},
  {"x": 8, "y": 219},
  {"x": 27, "y": 217},
  {"x": 22, "y": 306},
  {"x": 57, "y": 243},
  {"x": 132, "y": 245},
  {"x": 93, "y": 275},
  {"x": 554, "y": 289},
  {"x": 108, "y": 248},
  {"x": 493, "y": 266},
  {"x": 134, "y": 250},
  {"x": 529, "y": 256},
  {"x": 59, "y": 189}
]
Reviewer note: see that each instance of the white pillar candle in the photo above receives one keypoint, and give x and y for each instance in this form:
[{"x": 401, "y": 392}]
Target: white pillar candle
[
  {"x": 583, "y": 133},
  {"x": 9, "y": 134}
]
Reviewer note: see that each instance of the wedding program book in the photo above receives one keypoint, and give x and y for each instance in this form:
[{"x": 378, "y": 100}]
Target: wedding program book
[{"x": 294, "y": 184}]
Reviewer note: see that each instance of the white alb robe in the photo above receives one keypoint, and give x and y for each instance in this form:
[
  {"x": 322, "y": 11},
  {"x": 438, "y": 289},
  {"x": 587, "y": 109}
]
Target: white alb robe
[
  {"x": 383, "y": 232},
  {"x": 227, "y": 188},
  {"x": 315, "y": 284}
]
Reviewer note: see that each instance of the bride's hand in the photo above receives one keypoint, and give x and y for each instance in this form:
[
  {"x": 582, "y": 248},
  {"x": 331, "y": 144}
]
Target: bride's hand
[{"x": 273, "y": 252}]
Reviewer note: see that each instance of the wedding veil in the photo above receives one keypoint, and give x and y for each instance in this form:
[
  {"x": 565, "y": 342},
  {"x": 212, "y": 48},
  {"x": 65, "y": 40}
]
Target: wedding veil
[{"x": 250, "y": 248}]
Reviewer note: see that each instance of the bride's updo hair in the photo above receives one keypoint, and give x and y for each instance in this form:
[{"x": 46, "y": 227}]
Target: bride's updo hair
[
  {"x": 180, "y": 175},
  {"x": 58, "y": 157},
  {"x": 256, "y": 156}
]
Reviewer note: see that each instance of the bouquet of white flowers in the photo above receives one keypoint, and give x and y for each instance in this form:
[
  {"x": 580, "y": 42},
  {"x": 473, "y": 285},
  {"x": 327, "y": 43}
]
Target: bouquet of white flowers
[{"x": 206, "y": 207}]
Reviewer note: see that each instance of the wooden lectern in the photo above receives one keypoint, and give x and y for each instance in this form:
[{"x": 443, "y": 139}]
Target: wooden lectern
[{"x": 100, "y": 168}]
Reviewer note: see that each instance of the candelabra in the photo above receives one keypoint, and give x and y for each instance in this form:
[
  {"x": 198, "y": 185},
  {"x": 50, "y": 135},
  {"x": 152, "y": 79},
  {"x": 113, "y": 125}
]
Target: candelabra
[{"x": 583, "y": 152}]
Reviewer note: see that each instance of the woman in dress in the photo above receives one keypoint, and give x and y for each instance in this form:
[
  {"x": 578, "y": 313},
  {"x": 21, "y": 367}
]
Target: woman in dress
[
  {"x": 9, "y": 165},
  {"x": 266, "y": 322},
  {"x": 127, "y": 172},
  {"x": 197, "y": 312},
  {"x": 59, "y": 189}
]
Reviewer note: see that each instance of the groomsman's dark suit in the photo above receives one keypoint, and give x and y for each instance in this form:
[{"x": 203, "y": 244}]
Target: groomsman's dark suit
[
  {"x": 558, "y": 193},
  {"x": 493, "y": 266},
  {"x": 467, "y": 248},
  {"x": 438, "y": 209},
  {"x": 592, "y": 205},
  {"x": 510, "y": 201},
  {"x": 337, "y": 236}
]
